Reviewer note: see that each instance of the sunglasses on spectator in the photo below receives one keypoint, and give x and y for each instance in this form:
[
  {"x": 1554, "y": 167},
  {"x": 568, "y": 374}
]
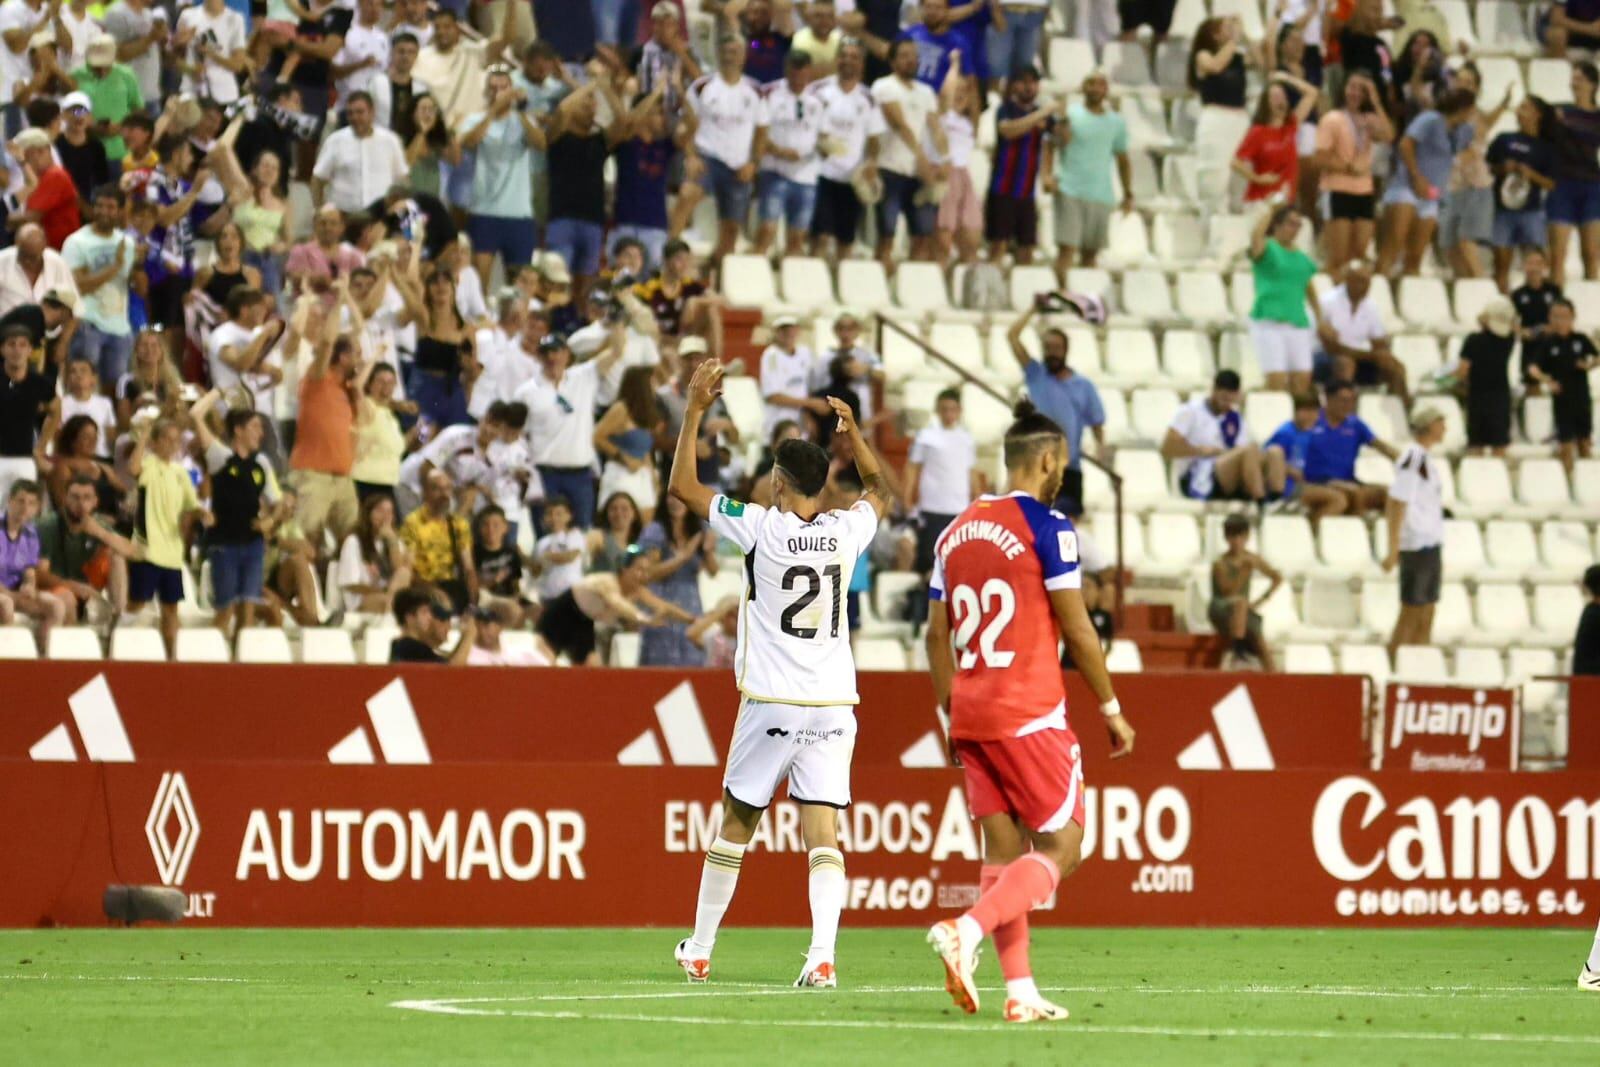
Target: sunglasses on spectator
[{"x": 440, "y": 613}]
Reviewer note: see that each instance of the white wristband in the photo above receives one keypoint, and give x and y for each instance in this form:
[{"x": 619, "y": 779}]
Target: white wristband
[{"x": 1111, "y": 708}]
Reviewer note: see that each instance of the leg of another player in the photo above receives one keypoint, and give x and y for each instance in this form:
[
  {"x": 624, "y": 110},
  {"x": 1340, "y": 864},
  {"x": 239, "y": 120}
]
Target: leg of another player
[
  {"x": 819, "y": 825},
  {"x": 1590, "y": 978},
  {"x": 1003, "y": 843},
  {"x": 720, "y": 875}
]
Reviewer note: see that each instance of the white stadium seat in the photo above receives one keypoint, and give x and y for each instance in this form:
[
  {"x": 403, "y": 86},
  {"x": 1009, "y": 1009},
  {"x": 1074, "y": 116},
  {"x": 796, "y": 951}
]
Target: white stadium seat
[
  {"x": 1345, "y": 546},
  {"x": 741, "y": 394},
  {"x": 1419, "y": 352},
  {"x": 202, "y": 645},
  {"x": 1241, "y": 294},
  {"x": 265, "y": 644},
  {"x": 1331, "y": 602},
  {"x": 862, "y": 284},
  {"x": 1464, "y": 556},
  {"x": 1523, "y": 665},
  {"x": 1503, "y": 27},
  {"x": 1071, "y": 60},
  {"x": 1586, "y": 484},
  {"x": 1565, "y": 546},
  {"x": 1187, "y": 360},
  {"x": 1279, "y": 616},
  {"x": 1176, "y": 240},
  {"x": 1264, "y": 412},
  {"x": 1202, "y": 298},
  {"x": 1555, "y": 611},
  {"x": 1370, "y": 660},
  {"x": 1027, "y": 282},
  {"x": 1093, "y": 280},
  {"x": 1145, "y": 295},
  {"x": 1386, "y": 415},
  {"x": 1249, "y": 13},
  {"x": 983, "y": 416},
  {"x": 1126, "y": 65},
  {"x": 1127, "y": 240},
  {"x": 1479, "y": 668},
  {"x": 1513, "y": 552},
  {"x": 1228, "y": 239},
  {"x": 1308, "y": 659},
  {"x": 1172, "y": 55},
  {"x": 1103, "y": 528},
  {"x": 1485, "y": 486},
  {"x": 1421, "y": 665},
  {"x": 806, "y": 282},
  {"x": 625, "y": 650},
  {"x": 375, "y": 642},
  {"x": 890, "y": 591},
  {"x": 1173, "y": 545},
  {"x": 1380, "y": 606},
  {"x": 1452, "y": 619},
  {"x": 959, "y": 342},
  {"x": 1151, "y": 412},
  {"x": 1118, "y": 426},
  {"x": 1287, "y": 544},
  {"x": 1124, "y": 657},
  {"x": 1548, "y": 78},
  {"x": 747, "y": 282},
  {"x": 1542, "y": 486},
  {"x": 920, "y": 287},
  {"x": 1130, "y": 356},
  {"x": 1187, "y": 16},
  {"x": 1424, "y": 302},
  {"x": 324, "y": 645},
  {"x": 1472, "y": 295},
  {"x": 1502, "y": 613},
  {"x": 1146, "y": 121},
  {"x": 133, "y": 644},
  {"x": 16, "y": 642},
  {"x": 75, "y": 642},
  {"x": 1144, "y": 478},
  {"x": 1500, "y": 74}
]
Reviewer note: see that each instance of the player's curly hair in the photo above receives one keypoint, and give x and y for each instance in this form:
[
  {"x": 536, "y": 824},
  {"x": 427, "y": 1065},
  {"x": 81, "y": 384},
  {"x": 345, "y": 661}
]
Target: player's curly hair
[
  {"x": 1029, "y": 434},
  {"x": 803, "y": 465}
]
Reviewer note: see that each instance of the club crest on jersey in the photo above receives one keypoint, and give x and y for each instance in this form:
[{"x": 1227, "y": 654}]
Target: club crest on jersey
[
  {"x": 734, "y": 508},
  {"x": 1067, "y": 543}
]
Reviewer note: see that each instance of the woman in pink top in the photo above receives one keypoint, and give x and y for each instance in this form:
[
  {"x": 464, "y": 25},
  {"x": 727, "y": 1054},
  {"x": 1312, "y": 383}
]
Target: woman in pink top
[{"x": 1345, "y": 138}]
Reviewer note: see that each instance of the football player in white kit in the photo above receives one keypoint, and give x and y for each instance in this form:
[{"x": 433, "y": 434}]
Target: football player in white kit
[{"x": 793, "y": 666}]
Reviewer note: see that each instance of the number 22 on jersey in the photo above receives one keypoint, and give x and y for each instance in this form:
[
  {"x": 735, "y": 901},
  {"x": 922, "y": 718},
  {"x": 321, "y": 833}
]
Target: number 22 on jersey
[{"x": 983, "y": 614}]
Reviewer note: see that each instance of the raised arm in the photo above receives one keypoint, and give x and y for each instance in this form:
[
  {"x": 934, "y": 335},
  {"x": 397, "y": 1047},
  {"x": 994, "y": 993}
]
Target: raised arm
[
  {"x": 684, "y": 482},
  {"x": 878, "y": 491},
  {"x": 1014, "y": 337}
]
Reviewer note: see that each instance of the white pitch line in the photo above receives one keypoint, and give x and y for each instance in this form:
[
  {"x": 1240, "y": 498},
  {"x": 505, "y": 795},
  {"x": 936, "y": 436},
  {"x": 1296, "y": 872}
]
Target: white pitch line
[
  {"x": 113, "y": 978},
  {"x": 451, "y": 1007}
]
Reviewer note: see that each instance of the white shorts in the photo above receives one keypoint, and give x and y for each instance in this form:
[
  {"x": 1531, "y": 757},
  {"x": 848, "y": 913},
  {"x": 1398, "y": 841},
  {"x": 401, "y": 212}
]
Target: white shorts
[
  {"x": 1282, "y": 348},
  {"x": 809, "y": 746}
]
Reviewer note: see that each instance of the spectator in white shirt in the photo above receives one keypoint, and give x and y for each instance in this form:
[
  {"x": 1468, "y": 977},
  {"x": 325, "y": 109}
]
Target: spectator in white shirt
[
  {"x": 561, "y": 405},
  {"x": 847, "y": 342},
  {"x": 911, "y": 113},
  {"x": 1353, "y": 335},
  {"x": 19, "y": 21},
  {"x": 239, "y": 355},
  {"x": 788, "y": 373},
  {"x": 214, "y": 35},
  {"x": 487, "y": 651},
  {"x": 1415, "y": 515},
  {"x": 1210, "y": 446},
  {"x": 560, "y": 554},
  {"x": 942, "y": 475},
  {"x": 852, "y": 125},
  {"x": 358, "y": 163},
  {"x": 365, "y": 52},
  {"x": 452, "y": 65},
  {"x": 31, "y": 268},
  {"x": 729, "y": 133},
  {"x": 786, "y": 188}
]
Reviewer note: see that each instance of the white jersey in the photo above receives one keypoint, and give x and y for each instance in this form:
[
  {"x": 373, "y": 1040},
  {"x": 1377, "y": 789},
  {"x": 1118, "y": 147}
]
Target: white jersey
[{"x": 794, "y": 638}]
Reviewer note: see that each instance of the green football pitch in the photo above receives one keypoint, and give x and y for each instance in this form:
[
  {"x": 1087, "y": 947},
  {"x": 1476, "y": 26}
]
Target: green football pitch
[{"x": 281, "y": 997}]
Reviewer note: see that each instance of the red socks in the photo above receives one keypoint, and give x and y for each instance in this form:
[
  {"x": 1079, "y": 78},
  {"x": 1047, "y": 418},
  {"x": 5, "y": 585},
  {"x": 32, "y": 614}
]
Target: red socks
[
  {"x": 1019, "y": 885},
  {"x": 1010, "y": 938}
]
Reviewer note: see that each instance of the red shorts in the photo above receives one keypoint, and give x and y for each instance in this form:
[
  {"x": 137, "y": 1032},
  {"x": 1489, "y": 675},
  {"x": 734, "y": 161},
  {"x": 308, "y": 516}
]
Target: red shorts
[{"x": 1038, "y": 779}]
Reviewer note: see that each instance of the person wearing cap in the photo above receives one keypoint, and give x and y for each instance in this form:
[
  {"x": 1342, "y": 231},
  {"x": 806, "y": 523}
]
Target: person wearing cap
[
  {"x": 83, "y": 156},
  {"x": 1414, "y": 512},
  {"x": 852, "y": 131},
  {"x": 112, "y": 92},
  {"x": 1026, "y": 129},
  {"x": 505, "y": 135},
  {"x": 1485, "y": 364},
  {"x": 30, "y": 268},
  {"x": 786, "y": 184},
  {"x": 789, "y": 372},
  {"x": 102, "y": 259},
  {"x": 726, "y": 124},
  {"x": 138, "y": 31},
  {"x": 52, "y": 323},
  {"x": 1353, "y": 336},
  {"x": 717, "y": 426},
  {"x": 1094, "y": 138},
  {"x": 214, "y": 36},
  {"x": 561, "y": 402},
  {"x": 48, "y": 195}
]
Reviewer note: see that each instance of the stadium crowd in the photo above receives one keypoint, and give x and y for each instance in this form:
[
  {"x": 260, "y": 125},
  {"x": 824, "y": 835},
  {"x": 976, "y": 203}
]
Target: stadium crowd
[{"x": 368, "y": 308}]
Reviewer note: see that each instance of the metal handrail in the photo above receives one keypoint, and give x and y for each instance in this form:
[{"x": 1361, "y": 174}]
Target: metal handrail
[{"x": 884, "y": 322}]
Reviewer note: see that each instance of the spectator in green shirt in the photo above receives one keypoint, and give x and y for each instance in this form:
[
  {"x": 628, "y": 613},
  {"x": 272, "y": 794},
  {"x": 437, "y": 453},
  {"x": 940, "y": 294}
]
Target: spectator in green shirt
[
  {"x": 1280, "y": 330},
  {"x": 114, "y": 91},
  {"x": 85, "y": 557}
]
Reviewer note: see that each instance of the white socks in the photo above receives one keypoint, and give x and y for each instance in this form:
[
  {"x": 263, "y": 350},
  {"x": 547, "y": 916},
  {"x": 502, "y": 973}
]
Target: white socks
[
  {"x": 718, "y": 879},
  {"x": 1594, "y": 952},
  {"x": 1022, "y": 989},
  {"x": 827, "y": 885},
  {"x": 971, "y": 932}
]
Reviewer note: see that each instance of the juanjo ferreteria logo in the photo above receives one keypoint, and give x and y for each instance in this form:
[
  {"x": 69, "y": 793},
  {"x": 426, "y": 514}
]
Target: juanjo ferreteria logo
[{"x": 172, "y": 828}]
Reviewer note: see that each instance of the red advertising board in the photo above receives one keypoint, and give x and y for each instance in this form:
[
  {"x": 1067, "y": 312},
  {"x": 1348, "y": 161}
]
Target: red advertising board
[
  {"x": 302, "y": 844},
  {"x": 1583, "y": 723},
  {"x": 1447, "y": 728},
  {"x": 120, "y": 712}
]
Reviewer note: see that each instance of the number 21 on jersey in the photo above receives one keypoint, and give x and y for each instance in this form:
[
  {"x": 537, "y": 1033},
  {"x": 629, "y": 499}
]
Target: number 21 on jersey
[{"x": 983, "y": 614}]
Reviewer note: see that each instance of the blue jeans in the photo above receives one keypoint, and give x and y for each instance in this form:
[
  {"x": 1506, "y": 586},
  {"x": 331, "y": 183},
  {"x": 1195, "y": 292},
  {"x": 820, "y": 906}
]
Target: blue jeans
[
  {"x": 578, "y": 242},
  {"x": 271, "y": 268},
  {"x": 108, "y": 352},
  {"x": 236, "y": 572},
  {"x": 1017, "y": 45},
  {"x": 615, "y": 21},
  {"x": 731, "y": 194},
  {"x": 778, "y": 197},
  {"x": 654, "y": 241},
  {"x": 574, "y": 483}
]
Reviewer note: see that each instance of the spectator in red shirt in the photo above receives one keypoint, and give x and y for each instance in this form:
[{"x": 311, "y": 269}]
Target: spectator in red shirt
[
  {"x": 1268, "y": 158},
  {"x": 48, "y": 195}
]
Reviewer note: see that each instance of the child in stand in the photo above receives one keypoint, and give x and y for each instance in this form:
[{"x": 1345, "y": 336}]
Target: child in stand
[
  {"x": 83, "y": 397},
  {"x": 498, "y": 561},
  {"x": 278, "y": 28},
  {"x": 560, "y": 553},
  {"x": 1232, "y": 611}
]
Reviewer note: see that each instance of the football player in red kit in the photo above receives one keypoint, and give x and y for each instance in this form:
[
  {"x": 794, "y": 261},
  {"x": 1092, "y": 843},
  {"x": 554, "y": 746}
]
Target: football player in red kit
[{"x": 1006, "y": 585}]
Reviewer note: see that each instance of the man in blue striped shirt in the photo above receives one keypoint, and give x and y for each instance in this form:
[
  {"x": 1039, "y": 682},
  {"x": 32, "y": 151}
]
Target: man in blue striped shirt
[{"x": 1010, "y": 217}]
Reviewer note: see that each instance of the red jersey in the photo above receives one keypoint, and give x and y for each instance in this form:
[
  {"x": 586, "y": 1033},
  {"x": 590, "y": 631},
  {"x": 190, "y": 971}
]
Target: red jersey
[
  {"x": 56, "y": 200},
  {"x": 1272, "y": 150},
  {"x": 994, "y": 568}
]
